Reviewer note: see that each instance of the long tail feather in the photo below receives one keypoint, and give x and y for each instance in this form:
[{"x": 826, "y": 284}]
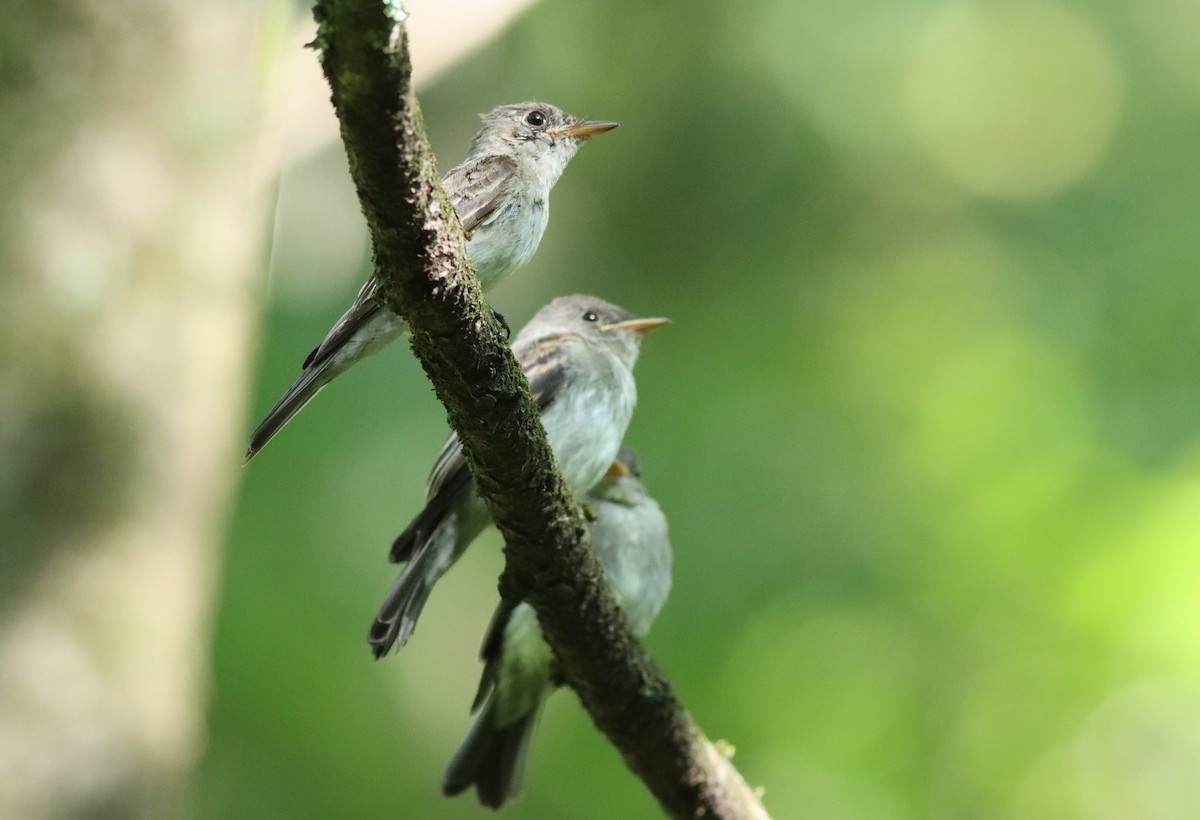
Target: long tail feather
[
  {"x": 362, "y": 331},
  {"x": 297, "y": 396},
  {"x": 492, "y": 759},
  {"x": 398, "y": 615}
]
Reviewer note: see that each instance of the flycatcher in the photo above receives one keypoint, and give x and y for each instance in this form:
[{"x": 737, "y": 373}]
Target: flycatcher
[
  {"x": 501, "y": 194},
  {"x": 578, "y": 353},
  {"x": 629, "y": 535}
]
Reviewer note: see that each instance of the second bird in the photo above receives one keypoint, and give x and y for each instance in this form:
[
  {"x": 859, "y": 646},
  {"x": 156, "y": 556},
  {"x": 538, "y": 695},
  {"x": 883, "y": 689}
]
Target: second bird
[
  {"x": 501, "y": 193},
  {"x": 578, "y": 353}
]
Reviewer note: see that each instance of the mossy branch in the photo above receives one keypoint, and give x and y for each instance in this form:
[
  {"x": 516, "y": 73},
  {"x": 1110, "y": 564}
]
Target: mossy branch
[{"x": 421, "y": 266}]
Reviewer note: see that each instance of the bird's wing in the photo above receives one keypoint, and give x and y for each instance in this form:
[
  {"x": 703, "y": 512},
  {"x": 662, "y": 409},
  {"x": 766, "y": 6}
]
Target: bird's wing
[
  {"x": 545, "y": 364},
  {"x": 491, "y": 652},
  {"x": 352, "y": 320},
  {"x": 478, "y": 187},
  {"x": 476, "y": 190},
  {"x": 449, "y": 469}
]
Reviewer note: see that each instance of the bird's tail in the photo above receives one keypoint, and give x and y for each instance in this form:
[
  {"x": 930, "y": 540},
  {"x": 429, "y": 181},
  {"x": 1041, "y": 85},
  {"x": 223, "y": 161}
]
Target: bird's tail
[
  {"x": 363, "y": 330},
  {"x": 431, "y": 545},
  {"x": 428, "y": 545},
  {"x": 311, "y": 380},
  {"x": 398, "y": 615},
  {"x": 415, "y": 533},
  {"x": 492, "y": 758}
]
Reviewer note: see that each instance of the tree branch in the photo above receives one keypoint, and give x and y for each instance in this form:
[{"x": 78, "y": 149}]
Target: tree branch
[{"x": 420, "y": 264}]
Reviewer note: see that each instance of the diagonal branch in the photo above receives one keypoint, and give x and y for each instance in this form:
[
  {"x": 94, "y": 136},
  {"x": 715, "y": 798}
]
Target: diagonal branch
[{"x": 420, "y": 264}]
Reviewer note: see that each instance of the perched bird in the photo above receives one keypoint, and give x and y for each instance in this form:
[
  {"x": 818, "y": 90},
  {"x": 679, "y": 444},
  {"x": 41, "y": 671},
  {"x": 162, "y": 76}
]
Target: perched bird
[
  {"x": 502, "y": 196},
  {"x": 629, "y": 535},
  {"x": 578, "y": 353}
]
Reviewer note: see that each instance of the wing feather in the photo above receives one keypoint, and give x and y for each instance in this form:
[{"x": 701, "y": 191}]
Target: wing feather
[
  {"x": 352, "y": 320},
  {"x": 477, "y": 188},
  {"x": 545, "y": 364}
]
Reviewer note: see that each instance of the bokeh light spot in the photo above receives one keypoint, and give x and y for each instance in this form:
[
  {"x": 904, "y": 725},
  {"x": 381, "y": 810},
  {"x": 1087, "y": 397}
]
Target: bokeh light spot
[
  {"x": 1016, "y": 101},
  {"x": 835, "y": 61},
  {"x": 1173, "y": 30}
]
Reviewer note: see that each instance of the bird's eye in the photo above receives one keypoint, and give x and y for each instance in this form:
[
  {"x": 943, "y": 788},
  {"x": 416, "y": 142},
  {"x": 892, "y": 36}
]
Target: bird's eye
[
  {"x": 535, "y": 118},
  {"x": 590, "y": 316}
]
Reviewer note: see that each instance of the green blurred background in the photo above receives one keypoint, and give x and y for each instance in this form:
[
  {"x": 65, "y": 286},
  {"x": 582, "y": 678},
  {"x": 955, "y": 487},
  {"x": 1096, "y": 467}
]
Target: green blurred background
[{"x": 925, "y": 425}]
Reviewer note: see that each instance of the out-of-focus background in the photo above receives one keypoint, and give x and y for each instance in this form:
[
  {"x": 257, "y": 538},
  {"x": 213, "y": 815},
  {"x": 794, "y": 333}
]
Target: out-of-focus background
[{"x": 926, "y": 425}]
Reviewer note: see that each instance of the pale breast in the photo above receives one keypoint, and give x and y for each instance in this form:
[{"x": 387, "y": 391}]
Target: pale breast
[
  {"x": 509, "y": 239},
  {"x": 587, "y": 423}
]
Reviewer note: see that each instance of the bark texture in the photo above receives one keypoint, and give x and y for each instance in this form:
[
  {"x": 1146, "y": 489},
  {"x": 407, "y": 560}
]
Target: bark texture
[{"x": 418, "y": 248}]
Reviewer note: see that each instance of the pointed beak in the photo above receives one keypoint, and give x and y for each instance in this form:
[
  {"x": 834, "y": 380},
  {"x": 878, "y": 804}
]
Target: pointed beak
[
  {"x": 639, "y": 326},
  {"x": 617, "y": 470},
  {"x": 584, "y": 130}
]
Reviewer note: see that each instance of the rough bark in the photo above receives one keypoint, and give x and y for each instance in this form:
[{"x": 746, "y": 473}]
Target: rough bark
[{"x": 418, "y": 248}]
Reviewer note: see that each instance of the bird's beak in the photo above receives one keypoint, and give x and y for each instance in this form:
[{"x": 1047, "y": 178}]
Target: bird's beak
[
  {"x": 584, "y": 130},
  {"x": 640, "y": 326},
  {"x": 617, "y": 470}
]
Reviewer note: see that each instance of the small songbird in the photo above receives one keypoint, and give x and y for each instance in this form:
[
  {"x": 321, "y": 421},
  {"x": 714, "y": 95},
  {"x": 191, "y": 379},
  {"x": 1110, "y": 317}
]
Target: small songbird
[
  {"x": 629, "y": 534},
  {"x": 578, "y": 353},
  {"x": 501, "y": 194}
]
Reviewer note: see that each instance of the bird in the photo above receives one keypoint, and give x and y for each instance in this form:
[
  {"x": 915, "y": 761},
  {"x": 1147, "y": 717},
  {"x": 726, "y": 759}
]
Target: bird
[
  {"x": 628, "y": 532},
  {"x": 501, "y": 194},
  {"x": 578, "y": 354}
]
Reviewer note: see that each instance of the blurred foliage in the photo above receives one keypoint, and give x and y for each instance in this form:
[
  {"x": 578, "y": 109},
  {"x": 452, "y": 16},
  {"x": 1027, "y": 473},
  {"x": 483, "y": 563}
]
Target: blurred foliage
[{"x": 925, "y": 425}]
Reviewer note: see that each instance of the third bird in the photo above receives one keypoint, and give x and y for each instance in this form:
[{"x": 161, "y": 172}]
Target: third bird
[{"x": 629, "y": 535}]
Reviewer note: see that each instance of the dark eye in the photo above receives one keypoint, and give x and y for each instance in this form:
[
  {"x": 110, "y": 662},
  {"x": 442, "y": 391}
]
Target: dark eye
[
  {"x": 590, "y": 316},
  {"x": 535, "y": 118}
]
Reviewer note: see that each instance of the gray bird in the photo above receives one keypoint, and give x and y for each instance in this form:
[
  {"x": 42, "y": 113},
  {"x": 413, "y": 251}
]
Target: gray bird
[
  {"x": 502, "y": 196},
  {"x": 578, "y": 353},
  {"x": 629, "y": 535}
]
